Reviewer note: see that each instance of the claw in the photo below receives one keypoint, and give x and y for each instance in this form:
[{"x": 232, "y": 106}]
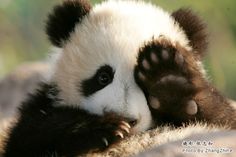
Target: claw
[
  {"x": 118, "y": 133},
  {"x": 124, "y": 127},
  {"x": 126, "y": 124},
  {"x": 105, "y": 141}
]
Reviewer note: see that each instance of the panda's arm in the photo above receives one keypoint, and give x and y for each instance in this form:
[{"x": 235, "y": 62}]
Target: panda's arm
[
  {"x": 44, "y": 129},
  {"x": 215, "y": 108}
]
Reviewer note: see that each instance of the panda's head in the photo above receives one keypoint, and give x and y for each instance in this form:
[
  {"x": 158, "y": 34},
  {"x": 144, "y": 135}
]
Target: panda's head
[{"x": 98, "y": 52}]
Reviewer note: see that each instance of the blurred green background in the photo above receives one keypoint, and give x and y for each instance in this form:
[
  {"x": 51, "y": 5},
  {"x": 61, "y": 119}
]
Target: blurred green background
[{"x": 22, "y": 36}]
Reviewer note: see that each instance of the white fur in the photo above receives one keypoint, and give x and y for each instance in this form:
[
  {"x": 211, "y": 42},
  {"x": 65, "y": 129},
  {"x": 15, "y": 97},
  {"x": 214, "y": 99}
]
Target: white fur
[
  {"x": 158, "y": 137},
  {"x": 112, "y": 34}
]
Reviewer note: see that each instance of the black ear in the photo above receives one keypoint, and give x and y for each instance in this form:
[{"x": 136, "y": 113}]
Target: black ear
[
  {"x": 193, "y": 27},
  {"x": 61, "y": 22}
]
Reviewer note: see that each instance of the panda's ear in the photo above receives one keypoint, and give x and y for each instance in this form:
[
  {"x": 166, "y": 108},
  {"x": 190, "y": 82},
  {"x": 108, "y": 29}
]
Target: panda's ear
[
  {"x": 194, "y": 28},
  {"x": 61, "y": 22}
]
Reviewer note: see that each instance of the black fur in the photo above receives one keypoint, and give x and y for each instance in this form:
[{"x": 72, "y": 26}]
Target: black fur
[
  {"x": 93, "y": 84},
  {"x": 173, "y": 95},
  {"x": 194, "y": 28},
  {"x": 62, "y": 21},
  {"x": 46, "y": 129}
]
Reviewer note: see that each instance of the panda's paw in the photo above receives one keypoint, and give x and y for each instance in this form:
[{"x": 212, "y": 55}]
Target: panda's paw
[
  {"x": 164, "y": 72},
  {"x": 114, "y": 129},
  {"x": 117, "y": 133}
]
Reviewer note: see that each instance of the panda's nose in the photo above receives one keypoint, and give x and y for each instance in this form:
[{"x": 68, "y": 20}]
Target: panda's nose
[{"x": 132, "y": 122}]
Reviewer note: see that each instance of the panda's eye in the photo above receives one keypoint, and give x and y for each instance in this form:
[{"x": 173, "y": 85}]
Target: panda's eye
[{"x": 104, "y": 78}]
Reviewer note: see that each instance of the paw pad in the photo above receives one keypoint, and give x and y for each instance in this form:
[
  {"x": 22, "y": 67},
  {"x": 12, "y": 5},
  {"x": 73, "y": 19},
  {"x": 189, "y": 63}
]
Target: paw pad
[
  {"x": 154, "y": 102},
  {"x": 179, "y": 59},
  {"x": 191, "y": 107},
  {"x": 154, "y": 58},
  {"x": 146, "y": 65},
  {"x": 172, "y": 78}
]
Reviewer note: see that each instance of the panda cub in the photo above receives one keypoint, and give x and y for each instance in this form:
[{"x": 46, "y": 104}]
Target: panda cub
[{"x": 122, "y": 67}]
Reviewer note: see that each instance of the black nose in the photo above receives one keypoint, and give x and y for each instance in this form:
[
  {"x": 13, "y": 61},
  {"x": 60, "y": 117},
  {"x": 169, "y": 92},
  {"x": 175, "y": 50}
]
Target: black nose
[{"x": 132, "y": 122}]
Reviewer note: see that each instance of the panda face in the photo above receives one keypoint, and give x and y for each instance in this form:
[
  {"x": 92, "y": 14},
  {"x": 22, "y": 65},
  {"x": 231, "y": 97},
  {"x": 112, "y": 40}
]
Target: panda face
[
  {"x": 99, "y": 78},
  {"x": 94, "y": 70}
]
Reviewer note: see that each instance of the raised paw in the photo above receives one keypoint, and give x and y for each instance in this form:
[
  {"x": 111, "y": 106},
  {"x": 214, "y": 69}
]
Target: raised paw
[{"x": 166, "y": 72}]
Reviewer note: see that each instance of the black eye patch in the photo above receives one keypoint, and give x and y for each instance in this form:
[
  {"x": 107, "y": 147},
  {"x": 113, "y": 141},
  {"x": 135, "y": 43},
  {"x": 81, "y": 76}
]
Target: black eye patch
[{"x": 98, "y": 81}]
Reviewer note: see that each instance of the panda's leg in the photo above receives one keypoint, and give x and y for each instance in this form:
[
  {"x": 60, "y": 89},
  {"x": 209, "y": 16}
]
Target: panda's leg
[{"x": 176, "y": 89}]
